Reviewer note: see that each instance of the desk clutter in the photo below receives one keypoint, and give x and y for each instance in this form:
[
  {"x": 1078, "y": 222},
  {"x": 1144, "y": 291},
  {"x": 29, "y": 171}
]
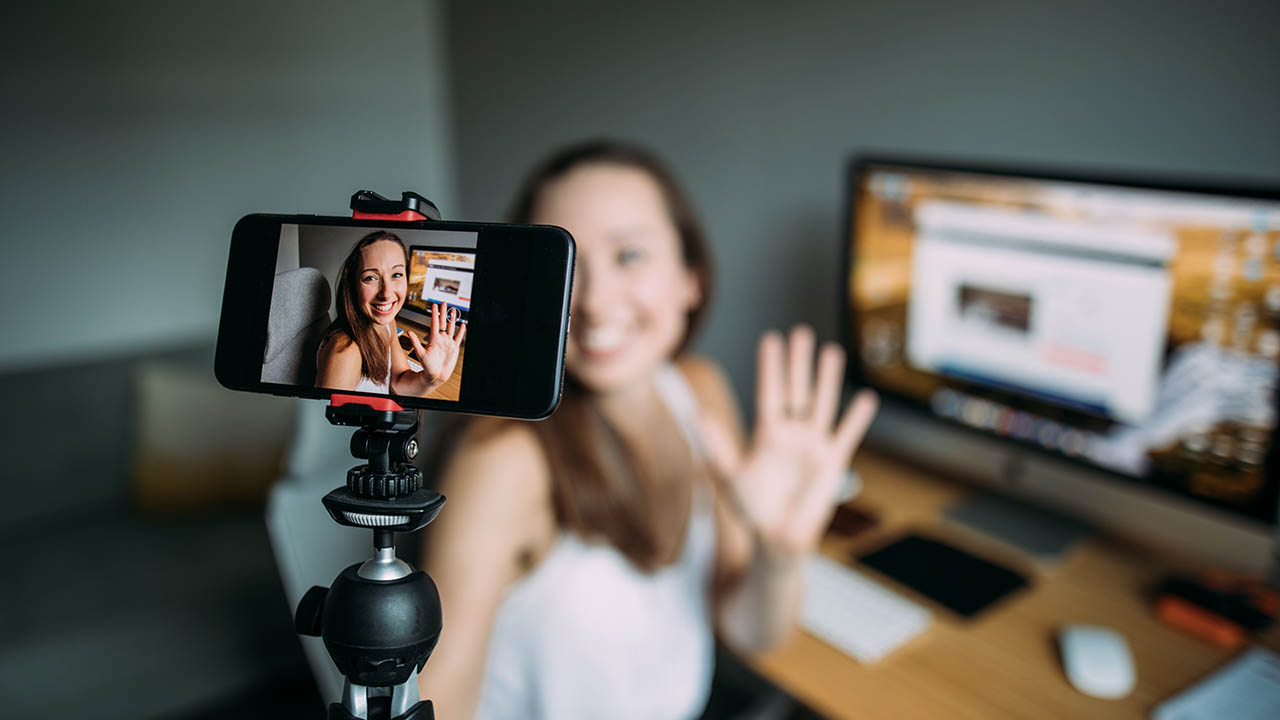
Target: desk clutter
[
  {"x": 956, "y": 579},
  {"x": 1008, "y": 659},
  {"x": 1097, "y": 661},
  {"x": 1218, "y": 607},
  {"x": 1246, "y": 689},
  {"x": 866, "y": 620},
  {"x": 855, "y": 614}
]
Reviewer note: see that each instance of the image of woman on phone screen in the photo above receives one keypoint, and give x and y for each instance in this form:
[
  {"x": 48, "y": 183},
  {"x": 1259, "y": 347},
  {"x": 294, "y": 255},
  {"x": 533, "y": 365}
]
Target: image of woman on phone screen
[
  {"x": 360, "y": 351},
  {"x": 587, "y": 562}
]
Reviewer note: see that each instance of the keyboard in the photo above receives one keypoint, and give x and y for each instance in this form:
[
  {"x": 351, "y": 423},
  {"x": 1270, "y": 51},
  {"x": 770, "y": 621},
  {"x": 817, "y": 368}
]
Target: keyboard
[{"x": 856, "y": 614}]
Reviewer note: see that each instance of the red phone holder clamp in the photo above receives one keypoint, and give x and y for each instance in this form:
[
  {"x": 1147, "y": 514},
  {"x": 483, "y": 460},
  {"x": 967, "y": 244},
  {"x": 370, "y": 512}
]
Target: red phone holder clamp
[{"x": 369, "y": 205}]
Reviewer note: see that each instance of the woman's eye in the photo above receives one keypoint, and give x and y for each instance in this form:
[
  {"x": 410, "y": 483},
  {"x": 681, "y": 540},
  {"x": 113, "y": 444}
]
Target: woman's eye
[
  {"x": 368, "y": 278},
  {"x": 629, "y": 256},
  {"x": 397, "y": 275}
]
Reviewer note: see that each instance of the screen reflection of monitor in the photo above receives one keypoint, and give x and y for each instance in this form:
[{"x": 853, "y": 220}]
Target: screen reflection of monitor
[
  {"x": 440, "y": 276},
  {"x": 1129, "y": 329}
]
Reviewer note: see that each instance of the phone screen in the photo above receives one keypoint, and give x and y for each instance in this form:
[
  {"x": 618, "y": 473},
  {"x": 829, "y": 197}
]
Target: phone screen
[{"x": 455, "y": 316}]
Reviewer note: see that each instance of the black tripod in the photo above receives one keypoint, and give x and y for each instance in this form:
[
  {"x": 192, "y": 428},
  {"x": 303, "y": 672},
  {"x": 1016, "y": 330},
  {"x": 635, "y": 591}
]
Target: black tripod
[{"x": 379, "y": 619}]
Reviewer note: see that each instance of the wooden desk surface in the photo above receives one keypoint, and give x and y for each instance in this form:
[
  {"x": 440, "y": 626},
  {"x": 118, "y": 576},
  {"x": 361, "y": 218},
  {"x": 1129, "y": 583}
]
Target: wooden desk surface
[{"x": 1004, "y": 663}]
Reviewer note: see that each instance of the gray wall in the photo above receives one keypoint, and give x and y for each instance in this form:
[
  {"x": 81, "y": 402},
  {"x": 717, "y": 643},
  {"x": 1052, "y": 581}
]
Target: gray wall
[
  {"x": 137, "y": 133},
  {"x": 133, "y": 135},
  {"x": 758, "y": 104}
]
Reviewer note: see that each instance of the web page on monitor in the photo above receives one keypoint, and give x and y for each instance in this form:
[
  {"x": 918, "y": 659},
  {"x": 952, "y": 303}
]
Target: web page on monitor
[{"x": 1047, "y": 306}]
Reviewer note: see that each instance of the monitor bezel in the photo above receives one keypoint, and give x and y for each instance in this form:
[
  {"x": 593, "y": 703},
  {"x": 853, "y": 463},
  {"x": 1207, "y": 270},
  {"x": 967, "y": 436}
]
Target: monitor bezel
[{"x": 855, "y": 376}]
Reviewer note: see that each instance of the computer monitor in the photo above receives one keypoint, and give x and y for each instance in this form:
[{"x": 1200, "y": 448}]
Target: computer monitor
[
  {"x": 1109, "y": 347},
  {"x": 440, "y": 275}
]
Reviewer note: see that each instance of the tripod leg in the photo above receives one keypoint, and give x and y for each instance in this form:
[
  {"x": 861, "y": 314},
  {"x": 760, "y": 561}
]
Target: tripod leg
[
  {"x": 355, "y": 698},
  {"x": 404, "y": 696},
  {"x": 362, "y": 702}
]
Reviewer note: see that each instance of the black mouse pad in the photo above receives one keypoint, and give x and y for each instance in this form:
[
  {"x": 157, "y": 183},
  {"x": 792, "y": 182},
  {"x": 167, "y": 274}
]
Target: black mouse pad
[{"x": 950, "y": 576}]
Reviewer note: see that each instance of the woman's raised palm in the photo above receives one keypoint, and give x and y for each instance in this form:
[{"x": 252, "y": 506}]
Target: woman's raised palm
[
  {"x": 785, "y": 482},
  {"x": 440, "y": 354}
]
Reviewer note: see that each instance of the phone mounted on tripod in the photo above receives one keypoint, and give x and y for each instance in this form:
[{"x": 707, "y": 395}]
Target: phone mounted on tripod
[
  {"x": 380, "y": 619},
  {"x": 484, "y": 308}
]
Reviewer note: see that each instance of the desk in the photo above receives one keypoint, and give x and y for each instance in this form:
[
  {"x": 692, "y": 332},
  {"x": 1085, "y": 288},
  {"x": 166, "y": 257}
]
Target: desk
[{"x": 1004, "y": 663}]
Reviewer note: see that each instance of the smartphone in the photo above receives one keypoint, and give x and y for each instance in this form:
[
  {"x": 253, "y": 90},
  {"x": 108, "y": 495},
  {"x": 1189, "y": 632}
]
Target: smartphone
[{"x": 454, "y": 316}]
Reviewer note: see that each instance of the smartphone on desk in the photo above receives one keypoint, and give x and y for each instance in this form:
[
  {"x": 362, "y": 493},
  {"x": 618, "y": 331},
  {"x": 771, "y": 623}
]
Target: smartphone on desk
[{"x": 461, "y": 317}]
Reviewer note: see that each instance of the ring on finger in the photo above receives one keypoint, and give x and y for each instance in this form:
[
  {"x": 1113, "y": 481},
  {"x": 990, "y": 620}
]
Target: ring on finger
[{"x": 798, "y": 413}]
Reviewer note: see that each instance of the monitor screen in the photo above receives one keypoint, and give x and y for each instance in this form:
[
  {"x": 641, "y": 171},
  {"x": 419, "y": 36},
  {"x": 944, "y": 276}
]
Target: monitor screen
[
  {"x": 440, "y": 276},
  {"x": 1134, "y": 329}
]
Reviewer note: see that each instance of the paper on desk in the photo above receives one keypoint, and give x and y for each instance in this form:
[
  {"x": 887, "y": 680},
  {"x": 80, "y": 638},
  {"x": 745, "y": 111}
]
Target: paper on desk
[{"x": 1246, "y": 689}]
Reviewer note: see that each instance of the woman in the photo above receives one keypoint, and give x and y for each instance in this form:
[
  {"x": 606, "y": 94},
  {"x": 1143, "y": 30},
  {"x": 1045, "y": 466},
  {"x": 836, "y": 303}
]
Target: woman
[
  {"x": 585, "y": 561},
  {"x": 359, "y": 350}
]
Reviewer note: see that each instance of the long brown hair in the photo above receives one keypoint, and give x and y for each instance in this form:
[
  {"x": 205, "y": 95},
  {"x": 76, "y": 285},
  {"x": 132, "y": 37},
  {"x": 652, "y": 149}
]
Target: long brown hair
[
  {"x": 601, "y": 486},
  {"x": 351, "y": 321}
]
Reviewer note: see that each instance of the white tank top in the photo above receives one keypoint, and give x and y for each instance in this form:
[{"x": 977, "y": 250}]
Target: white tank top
[{"x": 585, "y": 635}]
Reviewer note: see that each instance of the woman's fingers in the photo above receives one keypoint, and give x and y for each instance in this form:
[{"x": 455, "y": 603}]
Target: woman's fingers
[
  {"x": 827, "y": 391},
  {"x": 853, "y": 426},
  {"x": 796, "y": 451},
  {"x": 419, "y": 351},
  {"x": 769, "y": 380},
  {"x": 452, "y": 323},
  {"x": 462, "y": 332},
  {"x": 813, "y": 507},
  {"x": 435, "y": 318},
  {"x": 786, "y": 387},
  {"x": 799, "y": 403}
]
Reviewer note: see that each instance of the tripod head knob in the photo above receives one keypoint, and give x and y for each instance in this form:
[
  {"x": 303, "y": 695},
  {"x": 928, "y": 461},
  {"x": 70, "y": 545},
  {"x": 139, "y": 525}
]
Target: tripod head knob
[
  {"x": 387, "y": 439},
  {"x": 401, "y": 447},
  {"x": 366, "y": 482}
]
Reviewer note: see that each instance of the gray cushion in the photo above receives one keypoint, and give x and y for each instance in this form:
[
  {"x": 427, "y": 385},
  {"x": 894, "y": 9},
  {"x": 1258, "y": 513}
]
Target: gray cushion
[{"x": 299, "y": 314}]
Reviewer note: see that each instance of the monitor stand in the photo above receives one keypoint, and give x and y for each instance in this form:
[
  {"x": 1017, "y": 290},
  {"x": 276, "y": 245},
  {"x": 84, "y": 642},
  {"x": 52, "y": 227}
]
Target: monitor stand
[{"x": 1044, "y": 534}]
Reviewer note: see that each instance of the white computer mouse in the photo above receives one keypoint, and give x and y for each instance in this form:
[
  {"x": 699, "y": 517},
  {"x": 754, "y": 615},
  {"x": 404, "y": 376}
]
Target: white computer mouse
[{"x": 1097, "y": 661}]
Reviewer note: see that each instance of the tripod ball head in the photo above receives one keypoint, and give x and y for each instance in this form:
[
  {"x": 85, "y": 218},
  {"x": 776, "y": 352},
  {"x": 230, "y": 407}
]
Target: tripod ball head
[{"x": 377, "y": 632}]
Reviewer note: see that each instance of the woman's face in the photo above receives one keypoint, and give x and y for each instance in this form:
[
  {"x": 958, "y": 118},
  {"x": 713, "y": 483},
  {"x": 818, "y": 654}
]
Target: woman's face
[
  {"x": 382, "y": 280},
  {"x": 632, "y": 289}
]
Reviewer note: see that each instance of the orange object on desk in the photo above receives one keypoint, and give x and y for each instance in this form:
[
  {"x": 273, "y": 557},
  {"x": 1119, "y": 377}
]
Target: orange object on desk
[{"x": 1197, "y": 621}]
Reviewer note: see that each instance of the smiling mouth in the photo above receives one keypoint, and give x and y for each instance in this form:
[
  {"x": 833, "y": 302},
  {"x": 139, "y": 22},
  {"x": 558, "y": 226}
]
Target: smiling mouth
[
  {"x": 383, "y": 308},
  {"x": 602, "y": 339}
]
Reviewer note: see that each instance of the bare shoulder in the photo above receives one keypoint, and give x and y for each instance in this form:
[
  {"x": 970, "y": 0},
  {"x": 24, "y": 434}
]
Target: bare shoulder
[
  {"x": 496, "y": 515},
  {"x": 710, "y": 385},
  {"x": 338, "y": 343},
  {"x": 498, "y": 472},
  {"x": 701, "y": 370},
  {"x": 340, "y": 351},
  {"x": 502, "y": 449},
  {"x": 338, "y": 362}
]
